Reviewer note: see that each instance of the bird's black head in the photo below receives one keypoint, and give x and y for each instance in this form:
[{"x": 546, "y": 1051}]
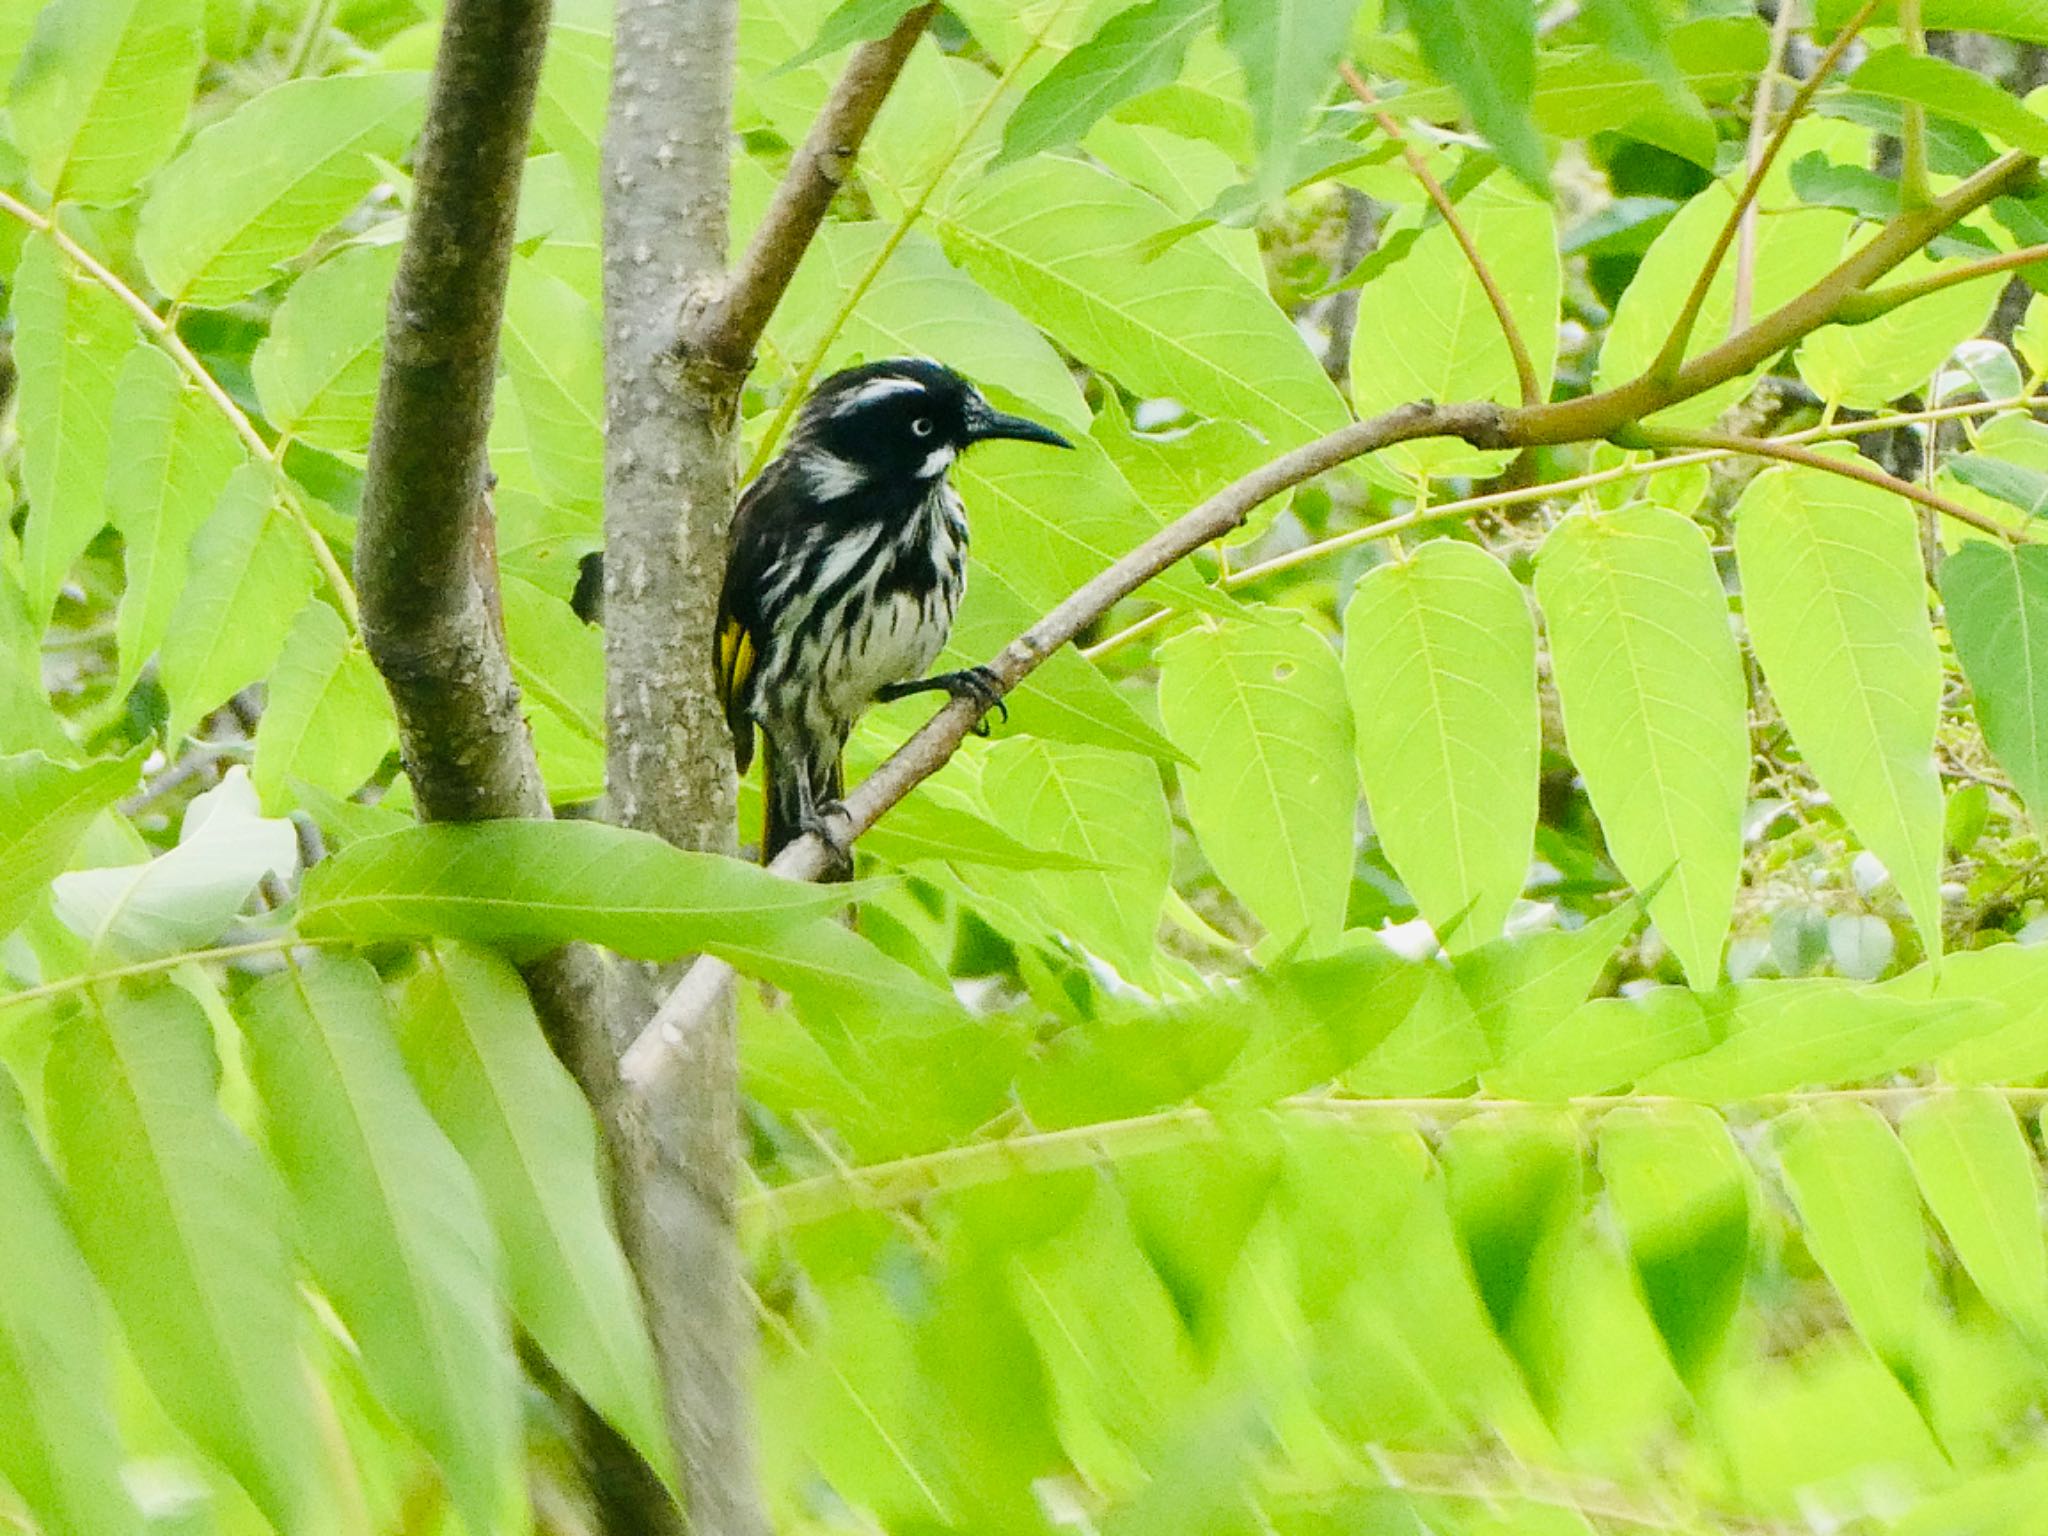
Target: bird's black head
[{"x": 906, "y": 419}]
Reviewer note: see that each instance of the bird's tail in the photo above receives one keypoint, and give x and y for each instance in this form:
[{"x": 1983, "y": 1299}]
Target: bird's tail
[{"x": 781, "y": 803}]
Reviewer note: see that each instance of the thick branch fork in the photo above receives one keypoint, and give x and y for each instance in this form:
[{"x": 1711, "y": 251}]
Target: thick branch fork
[{"x": 650, "y": 1065}]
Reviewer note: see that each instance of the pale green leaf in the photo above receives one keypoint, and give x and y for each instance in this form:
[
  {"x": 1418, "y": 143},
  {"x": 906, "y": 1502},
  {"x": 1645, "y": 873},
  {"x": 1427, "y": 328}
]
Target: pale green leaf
[
  {"x": 101, "y": 93},
  {"x": 1522, "y": 987},
  {"x": 1097, "y": 805},
  {"x": 1896, "y": 354},
  {"x": 58, "y": 1446},
  {"x": 1836, "y": 603},
  {"x": 255, "y": 188},
  {"x": 575, "y": 83},
  {"x": 1603, "y": 1045},
  {"x": 1656, "y": 711},
  {"x": 70, "y": 339},
  {"x": 1426, "y": 330},
  {"x": 185, "y": 898},
  {"x": 1288, "y": 50},
  {"x": 554, "y": 353},
  {"x": 28, "y": 721},
  {"x": 1860, "y": 1216},
  {"x": 45, "y": 808},
  {"x": 1135, "y": 51},
  {"x": 2013, "y": 979},
  {"x": 2013, "y": 18},
  {"x": 251, "y": 574},
  {"x": 1996, "y": 601},
  {"x": 475, "y": 1050},
  {"x": 1261, "y": 712},
  {"x": 1794, "y": 249},
  {"x": 1190, "y": 176},
  {"x": 1440, "y": 657},
  {"x": 182, "y": 1226},
  {"x": 171, "y": 454},
  {"x": 1680, "y": 1191},
  {"x": 921, "y": 306},
  {"x": 390, "y": 1221},
  {"x": 1949, "y": 90},
  {"x": 326, "y": 718},
  {"x": 557, "y": 659},
  {"x": 1063, "y": 243},
  {"x": 316, "y": 370},
  {"x": 1487, "y": 50},
  {"x": 852, "y": 21},
  {"x": 542, "y": 883},
  {"x": 1977, "y": 1173}
]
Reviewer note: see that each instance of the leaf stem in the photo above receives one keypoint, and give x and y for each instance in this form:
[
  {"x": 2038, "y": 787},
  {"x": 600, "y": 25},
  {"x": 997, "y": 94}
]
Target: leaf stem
[
  {"x": 1759, "y": 122},
  {"x": 1860, "y": 307},
  {"x": 87, "y": 979},
  {"x": 166, "y": 336},
  {"x": 1673, "y": 354},
  {"x": 1525, "y": 369},
  {"x": 1914, "y": 191}
]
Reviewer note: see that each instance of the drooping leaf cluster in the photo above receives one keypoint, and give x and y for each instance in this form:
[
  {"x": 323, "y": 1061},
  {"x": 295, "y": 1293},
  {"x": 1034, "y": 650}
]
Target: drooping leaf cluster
[{"x": 1435, "y": 1019}]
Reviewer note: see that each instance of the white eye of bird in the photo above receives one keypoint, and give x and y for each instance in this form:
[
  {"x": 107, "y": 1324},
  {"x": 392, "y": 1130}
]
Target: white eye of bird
[{"x": 922, "y": 426}]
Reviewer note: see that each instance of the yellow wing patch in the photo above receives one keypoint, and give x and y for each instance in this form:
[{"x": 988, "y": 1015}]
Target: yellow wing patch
[{"x": 735, "y": 660}]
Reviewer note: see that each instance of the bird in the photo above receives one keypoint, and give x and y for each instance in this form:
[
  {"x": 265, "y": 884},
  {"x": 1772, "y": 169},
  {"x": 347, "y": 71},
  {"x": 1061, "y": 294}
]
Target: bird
[{"x": 847, "y": 561}]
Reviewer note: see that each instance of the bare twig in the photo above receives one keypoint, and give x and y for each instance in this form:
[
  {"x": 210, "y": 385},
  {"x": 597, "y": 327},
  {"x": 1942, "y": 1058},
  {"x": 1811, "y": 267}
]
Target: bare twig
[
  {"x": 1673, "y": 353},
  {"x": 1859, "y": 307},
  {"x": 732, "y": 323},
  {"x": 1848, "y": 469},
  {"x": 1525, "y": 369},
  {"x": 1759, "y": 126}
]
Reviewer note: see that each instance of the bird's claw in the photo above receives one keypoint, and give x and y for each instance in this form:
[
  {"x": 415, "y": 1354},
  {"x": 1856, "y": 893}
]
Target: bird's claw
[
  {"x": 981, "y": 685},
  {"x": 831, "y": 823}
]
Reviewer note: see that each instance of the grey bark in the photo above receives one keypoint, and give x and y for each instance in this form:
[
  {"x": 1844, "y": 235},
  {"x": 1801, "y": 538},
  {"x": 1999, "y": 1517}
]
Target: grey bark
[{"x": 425, "y": 565}]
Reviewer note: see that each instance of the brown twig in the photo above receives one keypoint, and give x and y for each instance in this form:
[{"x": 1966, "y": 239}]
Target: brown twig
[
  {"x": 729, "y": 327},
  {"x": 1859, "y": 307},
  {"x": 1673, "y": 353},
  {"x": 1525, "y": 369},
  {"x": 1849, "y": 469}
]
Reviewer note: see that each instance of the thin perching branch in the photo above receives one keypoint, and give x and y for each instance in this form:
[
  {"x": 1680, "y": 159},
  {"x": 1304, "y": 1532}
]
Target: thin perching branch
[
  {"x": 1759, "y": 126},
  {"x": 1518, "y": 349}
]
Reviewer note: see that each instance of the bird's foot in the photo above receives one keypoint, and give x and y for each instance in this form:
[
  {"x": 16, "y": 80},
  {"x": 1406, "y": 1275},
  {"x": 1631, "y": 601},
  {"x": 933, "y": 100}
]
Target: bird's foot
[
  {"x": 981, "y": 685},
  {"x": 831, "y": 824}
]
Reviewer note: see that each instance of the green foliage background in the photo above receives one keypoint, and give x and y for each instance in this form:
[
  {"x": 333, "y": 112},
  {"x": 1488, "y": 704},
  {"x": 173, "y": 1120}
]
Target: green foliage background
[{"x": 1509, "y": 996}]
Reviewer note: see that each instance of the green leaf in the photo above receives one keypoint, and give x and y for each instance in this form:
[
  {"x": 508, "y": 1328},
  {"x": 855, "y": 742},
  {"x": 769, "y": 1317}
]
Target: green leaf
[
  {"x": 919, "y": 305},
  {"x": 58, "y": 1445},
  {"x": 326, "y": 718},
  {"x": 45, "y": 808},
  {"x": 70, "y": 339},
  {"x": 2016, "y": 485},
  {"x": 824, "y": 963},
  {"x": 1951, "y": 91},
  {"x": 554, "y": 354},
  {"x": 1061, "y": 241},
  {"x": 169, "y": 460},
  {"x": 575, "y": 85},
  {"x": 537, "y": 884},
  {"x": 1656, "y": 711},
  {"x": 1603, "y": 1045},
  {"x": 1996, "y": 601},
  {"x": 1288, "y": 50},
  {"x": 1861, "y": 1220},
  {"x": 1977, "y": 1172},
  {"x": 853, "y": 21},
  {"x": 251, "y": 574},
  {"x": 1272, "y": 793},
  {"x": 390, "y": 1220},
  {"x": 476, "y": 1053},
  {"x": 2011, "y": 18},
  {"x": 28, "y": 722},
  {"x": 1520, "y": 988},
  {"x": 1440, "y": 656},
  {"x": 2013, "y": 979},
  {"x": 1836, "y": 603},
  {"x": 1426, "y": 330},
  {"x": 1681, "y": 1193},
  {"x": 1895, "y": 354},
  {"x": 1097, "y": 805},
  {"x": 181, "y": 1224},
  {"x": 1136, "y": 50},
  {"x": 255, "y": 188},
  {"x": 1066, "y": 697},
  {"x": 182, "y": 899},
  {"x": 316, "y": 370},
  {"x": 101, "y": 94},
  {"x": 1487, "y": 50}
]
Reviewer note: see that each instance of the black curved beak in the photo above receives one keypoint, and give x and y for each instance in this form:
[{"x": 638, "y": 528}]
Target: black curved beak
[{"x": 984, "y": 422}]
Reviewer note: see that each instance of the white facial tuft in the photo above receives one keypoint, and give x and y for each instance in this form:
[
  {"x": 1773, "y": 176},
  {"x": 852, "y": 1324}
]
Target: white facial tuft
[
  {"x": 873, "y": 390},
  {"x": 937, "y": 462},
  {"x": 827, "y": 476}
]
